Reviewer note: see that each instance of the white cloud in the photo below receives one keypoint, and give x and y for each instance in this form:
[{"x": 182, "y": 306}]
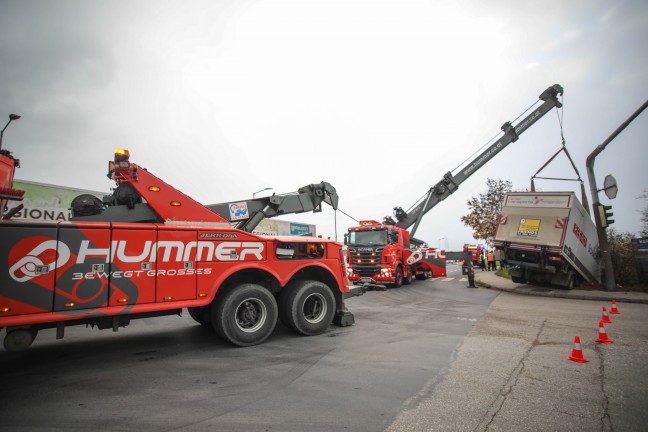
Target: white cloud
[{"x": 379, "y": 98}]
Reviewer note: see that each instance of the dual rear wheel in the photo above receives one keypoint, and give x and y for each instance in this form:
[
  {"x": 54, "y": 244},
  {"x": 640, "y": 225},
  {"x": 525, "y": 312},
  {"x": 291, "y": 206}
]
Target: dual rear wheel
[
  {"x": 307, "y": 307},
  {"x": 246, "y": 314}
]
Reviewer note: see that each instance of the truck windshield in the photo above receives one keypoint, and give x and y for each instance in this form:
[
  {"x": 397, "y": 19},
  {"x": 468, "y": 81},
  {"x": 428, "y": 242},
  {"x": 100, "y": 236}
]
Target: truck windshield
[{"x": 369, "y": 237}]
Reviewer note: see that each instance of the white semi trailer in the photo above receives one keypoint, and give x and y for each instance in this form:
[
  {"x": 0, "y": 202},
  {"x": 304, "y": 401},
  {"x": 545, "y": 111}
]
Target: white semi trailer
[{"x": 548, "y": 237}]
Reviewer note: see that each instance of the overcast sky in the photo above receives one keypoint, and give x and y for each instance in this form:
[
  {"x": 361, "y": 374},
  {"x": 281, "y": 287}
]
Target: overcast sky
[{"x": 379, "y": 98}]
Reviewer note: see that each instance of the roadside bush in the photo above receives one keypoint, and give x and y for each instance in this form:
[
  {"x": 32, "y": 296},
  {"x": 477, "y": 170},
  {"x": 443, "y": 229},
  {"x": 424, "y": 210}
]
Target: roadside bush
[
  {"x": 503, "y": 272},
  {"x": 625, "y": 271}
]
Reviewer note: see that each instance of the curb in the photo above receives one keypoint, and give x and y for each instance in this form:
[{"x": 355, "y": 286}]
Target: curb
[{"x": 560, "y": 294}]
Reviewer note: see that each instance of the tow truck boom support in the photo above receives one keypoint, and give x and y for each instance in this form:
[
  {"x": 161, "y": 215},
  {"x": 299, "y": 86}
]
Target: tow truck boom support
[
  {"x": 449, "y": 184},
  {"x": 307, "y": 198}
]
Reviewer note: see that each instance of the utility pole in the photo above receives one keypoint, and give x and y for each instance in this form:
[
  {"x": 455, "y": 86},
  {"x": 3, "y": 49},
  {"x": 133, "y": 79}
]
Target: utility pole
[{"x": 599, "y": 216}]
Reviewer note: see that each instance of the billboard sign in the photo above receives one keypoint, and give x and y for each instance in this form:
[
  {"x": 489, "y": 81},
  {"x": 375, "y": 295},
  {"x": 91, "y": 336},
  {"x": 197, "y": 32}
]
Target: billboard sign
[{"x": 47, "y": 203}]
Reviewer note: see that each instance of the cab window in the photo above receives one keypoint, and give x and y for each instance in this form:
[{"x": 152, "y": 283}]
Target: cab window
[{"x": 299, "y": 250}]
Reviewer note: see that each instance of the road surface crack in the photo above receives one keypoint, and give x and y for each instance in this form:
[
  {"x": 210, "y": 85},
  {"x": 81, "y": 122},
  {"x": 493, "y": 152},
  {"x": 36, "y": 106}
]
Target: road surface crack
[
  {"x": 510, "y": 384},
  {"x": 606, "y": 421}
]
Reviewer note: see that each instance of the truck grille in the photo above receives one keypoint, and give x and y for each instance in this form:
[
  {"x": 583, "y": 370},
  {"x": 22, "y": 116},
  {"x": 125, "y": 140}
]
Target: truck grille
[{"x": 361, "y": 259}]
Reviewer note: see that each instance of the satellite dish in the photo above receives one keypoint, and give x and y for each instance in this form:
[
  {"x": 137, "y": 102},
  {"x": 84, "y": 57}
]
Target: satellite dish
[{"x": 610, "y": 186}]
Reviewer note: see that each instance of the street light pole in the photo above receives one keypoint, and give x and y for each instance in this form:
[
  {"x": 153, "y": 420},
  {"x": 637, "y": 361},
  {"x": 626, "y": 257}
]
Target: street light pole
[
  {"x": 12, "y": 117},
  {"x": 264, "y": 189}
]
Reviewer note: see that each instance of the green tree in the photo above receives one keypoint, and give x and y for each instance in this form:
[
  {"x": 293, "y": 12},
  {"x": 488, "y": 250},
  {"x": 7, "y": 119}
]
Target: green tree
[{"x": 485, "y": 210}]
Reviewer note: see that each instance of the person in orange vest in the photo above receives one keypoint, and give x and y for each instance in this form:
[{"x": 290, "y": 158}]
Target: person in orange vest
[{"x": 491, "y": 261}]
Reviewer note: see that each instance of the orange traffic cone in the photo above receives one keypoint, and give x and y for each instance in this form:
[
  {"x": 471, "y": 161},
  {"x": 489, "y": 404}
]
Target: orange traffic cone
[
  {"x": 614, "y": 310},
  {"x": 602, "y": 335},
  {"x": 606, "y": 317},
  {"x": 577, "y": 353}
]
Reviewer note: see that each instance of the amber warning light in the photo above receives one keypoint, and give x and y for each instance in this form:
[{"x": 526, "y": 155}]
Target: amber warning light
[{"x": 121, "y": 157}]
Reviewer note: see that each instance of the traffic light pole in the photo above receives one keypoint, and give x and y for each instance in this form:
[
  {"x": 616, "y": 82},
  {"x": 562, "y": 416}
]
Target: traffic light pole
[{"x": 604, "y": 247}]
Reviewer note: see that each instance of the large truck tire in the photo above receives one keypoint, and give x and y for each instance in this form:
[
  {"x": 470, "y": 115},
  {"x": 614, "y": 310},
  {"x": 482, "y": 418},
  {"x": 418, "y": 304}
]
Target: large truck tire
[
  {"x": 398, "y": 282},
  {"x": 200, "y": 315},
  {"x": 408, "y": 280},
  {"x": 245, "y": 315},
  {"x": 307, "y": 307},
  {"x": 517, "y": 275},
  {"x": 20, "y": 339},
  {"x": 571, "y": 282}
]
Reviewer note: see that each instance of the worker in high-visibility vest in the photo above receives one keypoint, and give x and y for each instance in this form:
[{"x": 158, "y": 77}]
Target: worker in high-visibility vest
[{"x": 491, "y": 261}]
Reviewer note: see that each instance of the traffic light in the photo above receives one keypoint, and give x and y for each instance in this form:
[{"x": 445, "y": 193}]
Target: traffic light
[{"x": 605, "y": 215}]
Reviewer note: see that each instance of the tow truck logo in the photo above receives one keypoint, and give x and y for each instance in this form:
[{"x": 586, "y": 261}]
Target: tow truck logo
[
  {"x": 427, "y": 254},
  {"x": 32, "y": 265},
  {"x": 238, "y": 211}
]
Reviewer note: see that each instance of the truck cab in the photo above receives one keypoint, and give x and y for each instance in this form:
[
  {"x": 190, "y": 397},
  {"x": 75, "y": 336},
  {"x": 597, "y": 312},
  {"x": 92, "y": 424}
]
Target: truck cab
[{"x": 377, "y": 253}]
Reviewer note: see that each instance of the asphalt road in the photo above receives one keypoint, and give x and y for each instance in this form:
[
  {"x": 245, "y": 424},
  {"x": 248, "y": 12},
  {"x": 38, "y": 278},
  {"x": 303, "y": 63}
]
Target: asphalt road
[
  {"x": 170, "y": 374},
  {"x": 512, "y": 374},
  {"x": 432, "y": 356}
]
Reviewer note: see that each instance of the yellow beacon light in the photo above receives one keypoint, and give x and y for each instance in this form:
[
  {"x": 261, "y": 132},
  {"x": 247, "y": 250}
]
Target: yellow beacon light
[{"x": 121, "y": 155}]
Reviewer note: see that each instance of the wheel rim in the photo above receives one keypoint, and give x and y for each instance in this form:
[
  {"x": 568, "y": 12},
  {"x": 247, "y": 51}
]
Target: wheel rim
[
  {"x": 251, "y": 314},
  {"x": 315, "y": 308}
]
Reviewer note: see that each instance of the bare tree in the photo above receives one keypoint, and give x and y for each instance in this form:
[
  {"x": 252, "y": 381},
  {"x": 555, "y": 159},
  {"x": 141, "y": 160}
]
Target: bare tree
[{"x": 486, "y": 208}]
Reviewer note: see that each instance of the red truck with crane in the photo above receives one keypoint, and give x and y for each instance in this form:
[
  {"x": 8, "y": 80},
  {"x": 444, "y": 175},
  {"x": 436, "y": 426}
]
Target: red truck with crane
[
  {"x": 387, "y": 253},
  {"x": 475, "y": 250},
  {"x": 380, "y": 253},
  {"x": 150, "y": 250}
]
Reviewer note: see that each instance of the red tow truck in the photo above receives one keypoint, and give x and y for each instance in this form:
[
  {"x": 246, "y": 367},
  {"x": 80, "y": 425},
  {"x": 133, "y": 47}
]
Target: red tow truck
[
  {"x": 388, "y": 253},
  {"x": 150, "y": 250},
  {"x": 381, "y": 254},
  {"x": 475, "y": 251}
]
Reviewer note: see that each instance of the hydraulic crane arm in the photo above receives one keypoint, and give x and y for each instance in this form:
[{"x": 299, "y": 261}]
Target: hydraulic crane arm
[
  {"x": 450, "y": 183},
  {"x": 142, "y": 197},
  {"x": 249, "y": 213}
]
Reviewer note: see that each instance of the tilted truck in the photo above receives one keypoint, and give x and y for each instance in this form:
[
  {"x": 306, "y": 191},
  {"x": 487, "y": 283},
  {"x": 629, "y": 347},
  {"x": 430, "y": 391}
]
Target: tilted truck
[
  {"x": 107, "y": 272},
  {"x": 548, "y": 237},
  {"x": 388, "y": 253}
]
